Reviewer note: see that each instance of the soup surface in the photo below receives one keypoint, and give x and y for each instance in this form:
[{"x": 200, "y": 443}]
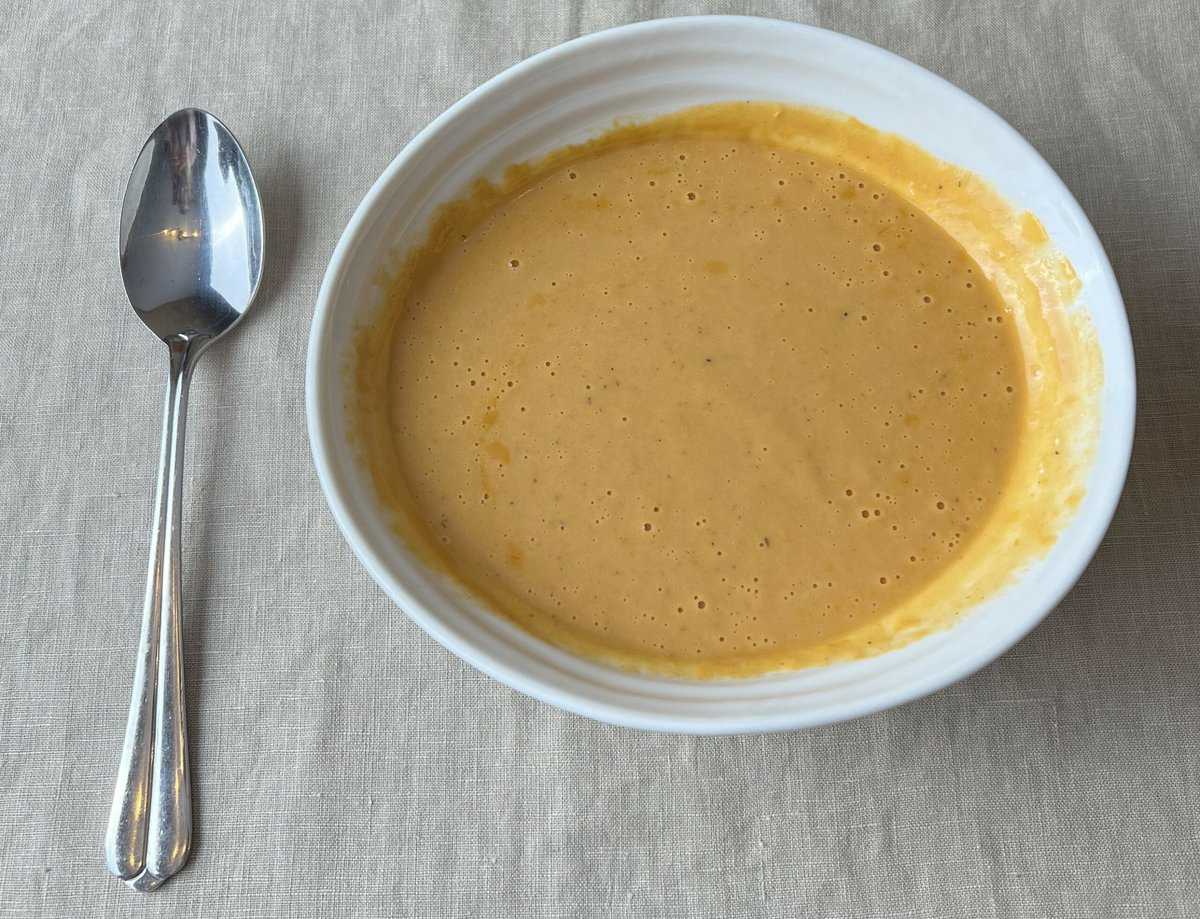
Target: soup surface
[{"x": 694, "y": 403}]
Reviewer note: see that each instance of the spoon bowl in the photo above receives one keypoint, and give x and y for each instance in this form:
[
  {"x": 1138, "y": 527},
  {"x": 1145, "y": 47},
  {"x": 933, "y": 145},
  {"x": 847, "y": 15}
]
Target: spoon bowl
[{"x": 191, "y": 230}]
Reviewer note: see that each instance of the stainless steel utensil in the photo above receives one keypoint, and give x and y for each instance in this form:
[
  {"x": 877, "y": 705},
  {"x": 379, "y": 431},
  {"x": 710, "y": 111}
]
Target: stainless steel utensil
[{"x": 191, "y": 257}]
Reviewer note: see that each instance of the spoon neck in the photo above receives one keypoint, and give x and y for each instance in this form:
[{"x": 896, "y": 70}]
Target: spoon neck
[{"x": 184, "y": 352}]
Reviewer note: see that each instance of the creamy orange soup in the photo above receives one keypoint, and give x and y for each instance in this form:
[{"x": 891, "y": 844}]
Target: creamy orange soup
[{"x": 697, "y": 401}]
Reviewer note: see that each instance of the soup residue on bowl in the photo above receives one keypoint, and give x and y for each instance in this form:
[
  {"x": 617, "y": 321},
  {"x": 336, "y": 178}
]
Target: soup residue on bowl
[{"x": 740, "y": 389}]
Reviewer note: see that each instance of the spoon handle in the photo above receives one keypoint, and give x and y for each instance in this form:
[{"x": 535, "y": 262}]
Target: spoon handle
[{"x": 150, "y": 824}]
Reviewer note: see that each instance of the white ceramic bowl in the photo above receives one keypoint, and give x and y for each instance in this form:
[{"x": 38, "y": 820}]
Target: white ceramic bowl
[{"x": 575, "y": 91}]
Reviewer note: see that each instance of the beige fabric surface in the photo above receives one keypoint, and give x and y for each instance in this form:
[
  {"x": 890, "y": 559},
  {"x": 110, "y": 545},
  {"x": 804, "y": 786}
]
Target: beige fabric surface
[{"x": 344, "y": 764}]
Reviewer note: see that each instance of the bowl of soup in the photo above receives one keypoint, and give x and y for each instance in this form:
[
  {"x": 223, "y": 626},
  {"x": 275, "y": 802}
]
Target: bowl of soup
[{"x": 720, "y": 375}]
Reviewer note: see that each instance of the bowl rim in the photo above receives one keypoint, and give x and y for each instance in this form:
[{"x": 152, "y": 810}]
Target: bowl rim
[{"x": 319, "y": 365}]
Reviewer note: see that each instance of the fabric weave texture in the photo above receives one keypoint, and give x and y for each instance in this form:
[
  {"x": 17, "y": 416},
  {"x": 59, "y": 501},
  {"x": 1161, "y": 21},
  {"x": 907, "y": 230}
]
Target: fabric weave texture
[{"x": 344, "y": 764}]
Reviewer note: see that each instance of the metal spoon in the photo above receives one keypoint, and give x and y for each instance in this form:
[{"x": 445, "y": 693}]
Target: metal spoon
[{"x": 191, "y": 258}]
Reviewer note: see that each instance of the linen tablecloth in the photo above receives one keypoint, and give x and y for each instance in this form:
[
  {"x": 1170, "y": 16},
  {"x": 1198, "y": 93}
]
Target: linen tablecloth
[{"x": 344, "y": 764}]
